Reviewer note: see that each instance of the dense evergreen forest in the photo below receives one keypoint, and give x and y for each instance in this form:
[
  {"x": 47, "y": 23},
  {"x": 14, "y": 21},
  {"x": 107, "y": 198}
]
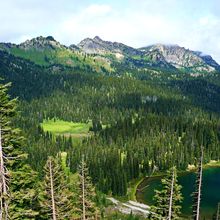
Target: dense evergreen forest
[{"x": 140, "y": 123}]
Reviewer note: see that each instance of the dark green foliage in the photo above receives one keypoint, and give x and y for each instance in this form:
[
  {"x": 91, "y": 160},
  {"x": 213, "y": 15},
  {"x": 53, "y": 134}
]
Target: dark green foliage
[
  {"x": 117, "y": 215},
  {"x": 22, "y": 180},
  {"x": 161, "y": 208},
  {"x": 198, "y": 188},
  {"x": 56, "y": 197},
  {"x": 136, "y": 122},
  {"x": 203, "y": 92},
  {"x": 86, "y": 193},
  {"x": 24, "y": 204}
]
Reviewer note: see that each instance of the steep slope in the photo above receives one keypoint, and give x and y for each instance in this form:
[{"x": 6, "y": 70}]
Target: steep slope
[
  {"x": 105, "y": 56},
  {"x": 119, "y": 55},
  {"x": 99, "y": 46},
  {"x": 180, "y": 58},
  {"x": 46, "y": 51},
  {"x": 158, "y": 55},
  {"x": 41, "y": 44},
  {"x": 207, "y": 59},
  {"x": 28, "y": 79}
]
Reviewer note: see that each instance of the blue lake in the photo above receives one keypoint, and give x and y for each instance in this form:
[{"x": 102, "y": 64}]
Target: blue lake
[{"x": 210, "y": 191}]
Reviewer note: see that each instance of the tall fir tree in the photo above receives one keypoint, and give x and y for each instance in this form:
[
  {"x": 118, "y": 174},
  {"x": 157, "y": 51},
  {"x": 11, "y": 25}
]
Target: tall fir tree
[
  {"x": 3, "y": 183},
  {"x": 171, "y": 195},
  {"x": 87, "y": 193},
  {"x": 167, "y": 201},
  {"x": 197, "y": 193},
  {"x": 17, "y": 179},
  {"x": 56, "y": 197}
]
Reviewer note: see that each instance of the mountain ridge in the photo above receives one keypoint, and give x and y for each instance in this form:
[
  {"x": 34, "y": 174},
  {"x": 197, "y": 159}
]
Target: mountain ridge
[
  {"x": 107, "y": 53},
  {"x": 180, "y": 57},
  {"x": 161, "y": 54}
]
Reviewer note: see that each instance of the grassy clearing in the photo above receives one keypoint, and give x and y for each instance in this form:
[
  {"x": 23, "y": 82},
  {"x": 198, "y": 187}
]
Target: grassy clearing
[
  {"x": 59, "y": 127},
  {"x": 211, "y": 163},
  {"x": 33, "y": 55},
  {"x": 62, "y": 56}
]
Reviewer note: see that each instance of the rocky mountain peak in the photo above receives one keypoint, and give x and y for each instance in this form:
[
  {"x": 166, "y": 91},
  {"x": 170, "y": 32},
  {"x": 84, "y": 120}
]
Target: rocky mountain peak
[
  {"x": 181, "y": 57},
  {"x": 99, "y": 46},
  {"x": 50, "y": 38},
  {"x": 93, "y": 46},
  {"x": 158, "y": 55},
  {"x": 97, "y": 38},
  {"x": 40, "y": 43}
]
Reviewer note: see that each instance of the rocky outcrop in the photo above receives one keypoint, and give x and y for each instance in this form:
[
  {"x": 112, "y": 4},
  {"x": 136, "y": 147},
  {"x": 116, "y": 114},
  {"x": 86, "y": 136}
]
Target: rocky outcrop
[
  {"x": 158, "y": 55},
  {"x": 207, "y": 59},
  {"x": 180, "y": 58},
  {"x": 99, "y": 46},
  {"x": 41, "y": 43}
]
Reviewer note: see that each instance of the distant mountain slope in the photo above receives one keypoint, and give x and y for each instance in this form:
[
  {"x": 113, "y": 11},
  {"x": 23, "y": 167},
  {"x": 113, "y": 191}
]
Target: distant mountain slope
[
  {"x": 180, "y": 57},
  {"x": 30, "y": 80},
  {"x": 41, "y": 44},
  {"x": 159, "y": 55},
  {"x": 106, "y": 56},
  {"x": 33, "y": 81},
  {"x": 99, "y": 46},
  {"x": 207, "y": 59},
  {"x": 48, "y": 52}
]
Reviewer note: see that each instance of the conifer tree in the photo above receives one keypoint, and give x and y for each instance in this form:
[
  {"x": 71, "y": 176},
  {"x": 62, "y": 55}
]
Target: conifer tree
[
  {"x": 3, "y": 183},
  {"x": 167, "y": 200},
  {"x": 17, "y": 179},
  {"x": 171, "y": 195},
  {"x": 87, "y": 194},
  {"x": 56, "y": 198},
  {"x": 197, "y": 193}
]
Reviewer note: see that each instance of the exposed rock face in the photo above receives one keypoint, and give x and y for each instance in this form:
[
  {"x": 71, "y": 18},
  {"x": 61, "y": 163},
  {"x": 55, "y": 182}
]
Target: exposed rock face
[
  {"x": 74, "y": 47},
  {"x": 180, "y": 57},
  {"x": 166, "y": 56},
  {"x": 158, "y": 55},
  {"x": 41, "y": 43},
  {"x": 98, "y": 46},
  {"x": 91, "y": 46},
  {"x": 207, "y": 59}
]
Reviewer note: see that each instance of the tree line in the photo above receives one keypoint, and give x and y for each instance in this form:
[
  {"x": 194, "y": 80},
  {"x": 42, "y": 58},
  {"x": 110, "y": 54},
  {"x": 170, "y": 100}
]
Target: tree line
[{"x": 58, "y": 195}]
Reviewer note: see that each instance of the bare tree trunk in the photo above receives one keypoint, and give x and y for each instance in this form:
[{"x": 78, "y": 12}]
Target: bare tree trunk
[
  {"x": 83, "y": 190},
  {"x": 3, "y": 183},
  {"x": 52, "y": 192},
  {"x": 171, "y": 197},
  {"x": 217, "y": 215},
  {"x": 199, "y": 184}
]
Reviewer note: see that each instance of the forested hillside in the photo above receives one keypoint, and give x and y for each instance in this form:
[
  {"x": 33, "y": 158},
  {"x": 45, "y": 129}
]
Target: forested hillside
[{"x": 140, "y": 120}]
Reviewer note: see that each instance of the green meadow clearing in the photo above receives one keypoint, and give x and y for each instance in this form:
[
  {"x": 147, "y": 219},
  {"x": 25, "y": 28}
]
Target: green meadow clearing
[{"x": 60, "y": 127}]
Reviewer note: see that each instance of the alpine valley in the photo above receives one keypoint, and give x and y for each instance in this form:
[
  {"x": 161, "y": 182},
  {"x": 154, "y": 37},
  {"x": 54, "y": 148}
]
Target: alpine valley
[{"x": 100, "y": 120}]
